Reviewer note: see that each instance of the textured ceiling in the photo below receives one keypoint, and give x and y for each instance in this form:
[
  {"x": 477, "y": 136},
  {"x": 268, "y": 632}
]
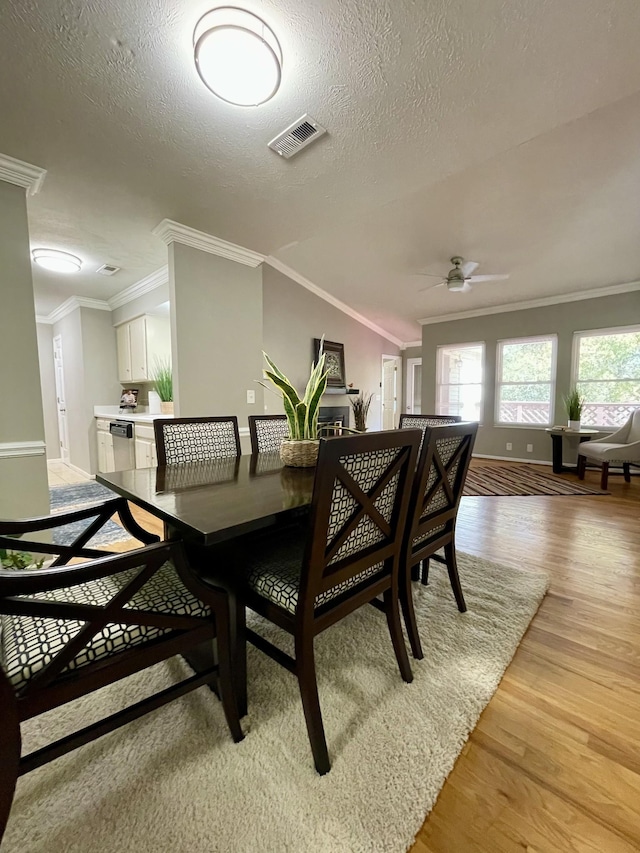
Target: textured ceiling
[{"x": 502, "y": 131}]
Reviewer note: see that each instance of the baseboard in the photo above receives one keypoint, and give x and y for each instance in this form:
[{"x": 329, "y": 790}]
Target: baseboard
[
  {"x": 79, "y": 471},
  {"x": 511, "y": 459},
  {"x": 57, "y": 459}
]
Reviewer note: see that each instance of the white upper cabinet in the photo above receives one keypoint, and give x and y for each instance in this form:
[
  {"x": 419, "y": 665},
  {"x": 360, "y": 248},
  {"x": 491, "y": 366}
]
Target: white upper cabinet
[{"x": 141, "y": 343}]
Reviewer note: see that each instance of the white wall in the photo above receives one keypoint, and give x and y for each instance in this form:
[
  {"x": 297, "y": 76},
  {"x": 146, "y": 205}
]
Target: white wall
[{"x": 48, "y": 389}]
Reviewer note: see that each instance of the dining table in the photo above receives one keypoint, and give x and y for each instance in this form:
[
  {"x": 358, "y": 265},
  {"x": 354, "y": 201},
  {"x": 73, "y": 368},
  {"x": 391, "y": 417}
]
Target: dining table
[{"x": 214, "y": 506}]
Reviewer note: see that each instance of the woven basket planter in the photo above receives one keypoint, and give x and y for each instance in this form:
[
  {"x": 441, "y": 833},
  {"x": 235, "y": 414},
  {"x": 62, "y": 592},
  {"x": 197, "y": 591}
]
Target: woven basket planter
[{"x": 300, "y": 454}]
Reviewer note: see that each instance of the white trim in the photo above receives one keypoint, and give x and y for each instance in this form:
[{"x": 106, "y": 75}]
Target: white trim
[
  {"x": 80, "y": 471},
  {"x": 70, "y": 305},
  {"x": 407, "y": 344},
  {"x": 408, "y": 384},
  {"x": 499, "y": 382},
  {"x": 535, "y": 303},
  {"x": 139, "y": 288},
  {"x": 173, "y": 232},
  {"x": 21, "y": 174},
  {"x": 399, "y": 387},
  {"x": 332, "y": 300},
  {"x": 612, "y": 330},
  {"x": 57, "y": 459},
  {"x": 509, "y": 459},
  {"x": 482, "y": 383},
  {"x": 10, "y": 449}
]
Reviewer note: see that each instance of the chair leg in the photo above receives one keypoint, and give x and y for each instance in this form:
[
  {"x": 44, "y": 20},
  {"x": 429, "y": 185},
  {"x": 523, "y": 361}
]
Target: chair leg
[
  {"x": 415, "y": 572},
  {"x": 582, "y": 466},
  {"x": 409, "y": 613},
  {"x": 308, "y": 683},
  {"x": 452, "y": 568},
  {"x": 10, "y": 746},
  {"x": 392, "y": 611},
  {"x": 626, "y": 468},
  {"x": 604, "y": 478},
  {"x": 226, "y": 685},
  {"x": 424, "y": 571}
]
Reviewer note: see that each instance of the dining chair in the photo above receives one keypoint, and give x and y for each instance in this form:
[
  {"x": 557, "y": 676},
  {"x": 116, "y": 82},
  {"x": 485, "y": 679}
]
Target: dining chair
[
  {"x": 267, "y": 432},
  {"x": 345, "y": 555},
  {"x": 620, "y": 448},
  {"x": 435, "y": 498},
  {"x": 193, "y": 439},
  {"x": 410, "y": 421},
  {"x": 68, "y": 630}
]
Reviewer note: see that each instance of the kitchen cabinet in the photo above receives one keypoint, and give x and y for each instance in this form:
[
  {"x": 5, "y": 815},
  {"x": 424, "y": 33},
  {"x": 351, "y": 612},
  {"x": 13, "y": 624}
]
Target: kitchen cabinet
[
  {"x": 106, "y": 458},
  {"x": 140, "y": 344},
  {"x": 145, "y": 447}
]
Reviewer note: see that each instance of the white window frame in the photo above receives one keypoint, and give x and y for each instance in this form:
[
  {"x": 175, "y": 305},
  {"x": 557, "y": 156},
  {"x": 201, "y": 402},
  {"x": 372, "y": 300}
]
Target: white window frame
[
  {"x": 553, "y": 338},
  {"x": 439, "y": 383},
  {"x": 409, "y": 400},
  {"x": 586, "y": 333}
]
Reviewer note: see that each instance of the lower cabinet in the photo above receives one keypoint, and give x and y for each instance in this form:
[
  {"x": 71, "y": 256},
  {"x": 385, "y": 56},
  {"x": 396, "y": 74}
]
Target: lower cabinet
[
  {"x": 145, "y": 443},
  {"x": 106, "y": 460}
]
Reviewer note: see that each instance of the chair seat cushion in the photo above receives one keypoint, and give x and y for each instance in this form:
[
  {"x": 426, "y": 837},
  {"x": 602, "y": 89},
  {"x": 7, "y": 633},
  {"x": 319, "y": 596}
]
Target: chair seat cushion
[
  {"x": 273, "y": 570},
  {"x": 607, "y": 452},
  {"x": 30, "y": 642}
]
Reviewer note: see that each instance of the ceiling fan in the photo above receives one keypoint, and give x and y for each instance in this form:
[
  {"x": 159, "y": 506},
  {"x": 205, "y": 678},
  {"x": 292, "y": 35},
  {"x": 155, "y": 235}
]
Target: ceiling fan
[{"x": 460, "y": 278}]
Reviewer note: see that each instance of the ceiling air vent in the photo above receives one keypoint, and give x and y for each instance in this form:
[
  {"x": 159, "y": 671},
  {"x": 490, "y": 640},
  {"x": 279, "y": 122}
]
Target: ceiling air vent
[
  {"x": 108, "y": 269},
  {"x": 297, "y": 136}
]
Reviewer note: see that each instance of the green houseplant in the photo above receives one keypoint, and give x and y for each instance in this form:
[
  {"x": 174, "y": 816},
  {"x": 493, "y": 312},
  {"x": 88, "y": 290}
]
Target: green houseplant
[
  {"x": 574, "y": 403},
  {"x": 360, "y": 405},
  {"x": 163, "y": 383},
  {"x": 300, "y": 450}
]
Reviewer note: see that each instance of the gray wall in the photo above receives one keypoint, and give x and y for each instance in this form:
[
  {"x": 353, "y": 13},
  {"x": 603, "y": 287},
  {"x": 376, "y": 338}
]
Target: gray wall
[
  {"x": 23, "y": 479},
  {"x": 563, "y": 320},
  {"x": 216, "y": 334},
  {"x": 48, "y": 389},
  {"x": 293, "y": 316}
]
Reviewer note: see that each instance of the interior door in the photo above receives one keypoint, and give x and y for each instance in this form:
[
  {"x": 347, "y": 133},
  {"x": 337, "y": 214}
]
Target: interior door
[
  {"x": 414, "y": 386},
  {"x": 63, "y": 429},
  {"x": 390, "y": 386}
]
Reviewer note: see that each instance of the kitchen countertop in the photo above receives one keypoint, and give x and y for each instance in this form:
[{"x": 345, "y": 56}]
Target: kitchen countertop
[{"x": 114, "y": 413}]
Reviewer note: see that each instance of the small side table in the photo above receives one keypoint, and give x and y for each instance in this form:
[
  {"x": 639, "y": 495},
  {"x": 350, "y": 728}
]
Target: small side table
[{"x": 556, "y": 445}]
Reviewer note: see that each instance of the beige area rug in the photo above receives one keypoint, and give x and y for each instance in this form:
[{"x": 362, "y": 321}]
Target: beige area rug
[
  {"x": 522, "y": 480},
  {"x": 174, "y": 780}
]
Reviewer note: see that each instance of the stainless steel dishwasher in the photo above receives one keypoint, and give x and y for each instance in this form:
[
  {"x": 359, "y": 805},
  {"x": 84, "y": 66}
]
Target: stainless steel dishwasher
[{"x": 123, "y": 436}]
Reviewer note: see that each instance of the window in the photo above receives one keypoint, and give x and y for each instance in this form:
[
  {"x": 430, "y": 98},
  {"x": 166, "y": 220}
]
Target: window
[
  {"x": 606, "y": 370},
  {"x": 459, "y": 381},
  {"x": 525, "y": 381}
]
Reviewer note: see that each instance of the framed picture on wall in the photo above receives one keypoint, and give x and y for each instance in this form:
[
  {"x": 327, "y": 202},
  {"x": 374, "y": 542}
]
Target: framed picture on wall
[{"x": 334, "y": 362}]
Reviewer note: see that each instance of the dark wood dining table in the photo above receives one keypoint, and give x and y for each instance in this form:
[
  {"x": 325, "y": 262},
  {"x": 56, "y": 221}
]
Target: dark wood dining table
[{"x": 212, "y": 506}]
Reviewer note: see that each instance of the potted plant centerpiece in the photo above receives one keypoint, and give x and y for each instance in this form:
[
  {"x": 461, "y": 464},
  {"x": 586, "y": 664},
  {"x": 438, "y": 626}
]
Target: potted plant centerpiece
[
  {"x": 360, "y": 405},
  {"x": 163, "y": 381},
  {"x": 574, "y": 402},
  {"x": 300, "y": 449}
]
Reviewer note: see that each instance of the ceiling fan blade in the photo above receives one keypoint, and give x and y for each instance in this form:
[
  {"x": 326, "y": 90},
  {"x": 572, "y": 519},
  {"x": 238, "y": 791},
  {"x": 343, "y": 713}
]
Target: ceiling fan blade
[
  {"x": 431, "y": 286},
  {"x": 468, "y": 268},
  {"x": 476, "y": 278},
  {"x": 430, "y": 274}
]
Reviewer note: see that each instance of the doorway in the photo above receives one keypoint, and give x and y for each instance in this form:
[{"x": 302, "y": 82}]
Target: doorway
[
  {"x": 61, "y": 398},
  {"x": 414, "y": 386},
  {"x": 390, "y": 386}
]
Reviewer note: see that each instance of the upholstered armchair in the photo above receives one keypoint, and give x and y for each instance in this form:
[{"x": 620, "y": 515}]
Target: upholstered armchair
[{"x": 620, "y": 448}]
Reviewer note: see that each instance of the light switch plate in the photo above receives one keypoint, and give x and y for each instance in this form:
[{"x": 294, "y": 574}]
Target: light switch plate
[{"x": 251, "y": 396}]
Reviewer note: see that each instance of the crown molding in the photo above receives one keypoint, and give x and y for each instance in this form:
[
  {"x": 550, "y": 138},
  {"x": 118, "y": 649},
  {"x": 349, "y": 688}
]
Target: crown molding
[
  {"x": 173, "y": 232},
  {"x": 22, "y": 448},
  {"x": 70, "y": 305},
  {"x": 535, "y": 303},
  {"x": 341, "y": 306},
  {"x": 145, "y": 285},
  {"x": 21, "y": 174},
  {"x": 407, "y": 344}
]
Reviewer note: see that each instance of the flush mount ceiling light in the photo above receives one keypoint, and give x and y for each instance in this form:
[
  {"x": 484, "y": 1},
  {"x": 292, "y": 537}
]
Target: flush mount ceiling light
[
  {"x": 237, "y": 56},
  {"x": 54, "y": 259}
]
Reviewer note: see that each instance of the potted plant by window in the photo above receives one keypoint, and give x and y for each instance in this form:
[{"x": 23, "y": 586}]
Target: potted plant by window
[
  {"x": 163, "y": 381},
  {"x": 300, "y": 449},
  {"x": 574, "y": 402},
  {"x": 360, "y": 405}
]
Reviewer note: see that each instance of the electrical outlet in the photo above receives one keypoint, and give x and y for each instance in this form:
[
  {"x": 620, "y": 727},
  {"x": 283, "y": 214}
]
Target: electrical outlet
[
  {"x": 509, "y": 446},
  {"x": 529, "y": 448},
  {"x": 251, "y": 396}
]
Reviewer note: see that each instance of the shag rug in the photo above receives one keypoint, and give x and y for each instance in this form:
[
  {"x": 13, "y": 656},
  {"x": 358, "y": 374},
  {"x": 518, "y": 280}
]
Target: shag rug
[
  {"x": 517, "y": 480},
  {"x": 175, "y": 781},
  {"x": 76, "y": 496}
]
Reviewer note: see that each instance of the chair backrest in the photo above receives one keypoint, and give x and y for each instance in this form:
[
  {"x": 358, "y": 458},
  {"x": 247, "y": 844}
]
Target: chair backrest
[
  {"x": 440, "y": 476},
  {"x": 634, "y": 427},
  {"x": 358, "y": 513},
  {"x": 408, "y": 421},
  {"x": 193, "y": 439},
  {"x": 267, "y": 432}
]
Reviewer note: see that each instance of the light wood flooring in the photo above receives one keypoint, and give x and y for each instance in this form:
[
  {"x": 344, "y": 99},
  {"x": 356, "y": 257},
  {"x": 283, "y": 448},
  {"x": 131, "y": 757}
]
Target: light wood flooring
[{"x": 553, "y": 765}]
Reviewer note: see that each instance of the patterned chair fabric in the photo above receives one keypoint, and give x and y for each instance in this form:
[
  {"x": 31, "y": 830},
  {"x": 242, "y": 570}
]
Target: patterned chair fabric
[
  {"x": 195, "y": 439},
  {"x": 422, "y": 422},
  {"x": 267, "y": 432}
]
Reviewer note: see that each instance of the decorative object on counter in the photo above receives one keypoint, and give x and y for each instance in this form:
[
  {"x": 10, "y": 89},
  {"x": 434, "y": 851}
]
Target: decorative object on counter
[
  {"x": 574, "y": 402},
  {"x": 300, "y": 449},
  {"x": 163, "y": 381},
  {"x": 334, "y": 362},
  {"x": 360, "y": 406},
  {"x": 128, "y": 399},
  {"x": 155, "y": 404}
]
